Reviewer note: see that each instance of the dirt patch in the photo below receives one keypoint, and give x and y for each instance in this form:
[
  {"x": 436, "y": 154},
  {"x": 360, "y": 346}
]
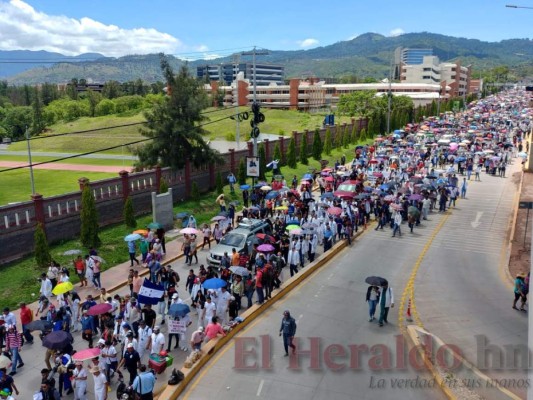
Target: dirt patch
[
  {"x": 520, "y": 260},
  {"x": 66, "y": 167}
]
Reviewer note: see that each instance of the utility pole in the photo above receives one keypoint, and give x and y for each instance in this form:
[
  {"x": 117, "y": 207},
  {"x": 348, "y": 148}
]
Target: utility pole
[
  {"x": 30, "y": 162},
  {"x": 389, "y": 99},
  {"x": 236, "y": 80},
  {"x": 255, "y": 53}
]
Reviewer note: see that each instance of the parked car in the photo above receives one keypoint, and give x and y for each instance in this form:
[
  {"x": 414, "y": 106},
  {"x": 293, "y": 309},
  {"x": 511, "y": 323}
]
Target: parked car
[
  {"x": 240, "y": 239},
  {"x": 346, "y": 190}
]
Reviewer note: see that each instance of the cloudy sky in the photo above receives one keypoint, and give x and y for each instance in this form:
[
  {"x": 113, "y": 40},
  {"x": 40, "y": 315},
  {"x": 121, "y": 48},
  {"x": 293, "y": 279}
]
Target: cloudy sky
[{"x": 208, "y": 29}]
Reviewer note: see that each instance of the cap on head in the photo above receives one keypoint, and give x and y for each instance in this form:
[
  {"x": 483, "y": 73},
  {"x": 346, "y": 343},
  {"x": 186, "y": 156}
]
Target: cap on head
[
  {"x": 130, "y": 346},
  {"x": 175, "y": 296},
  {"x": 156, "y": 328}
]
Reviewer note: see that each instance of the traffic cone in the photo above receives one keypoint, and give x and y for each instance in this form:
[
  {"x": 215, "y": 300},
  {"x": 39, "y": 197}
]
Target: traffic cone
[{"x": 408, "y": 313}]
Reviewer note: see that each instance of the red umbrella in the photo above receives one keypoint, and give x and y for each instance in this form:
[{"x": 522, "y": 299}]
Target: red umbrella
[
  {"x": 373, "y": 161},
  {"x": 264, "y": 236},
  {"x": 335, "y": 211},
  {"x": 86, "y": 354},
  {"x": 329, "y": 179},
  {"x": 378, "y": 174},
  {"x": 100, "y": 309},
  {"x": 327, "y": 170}
]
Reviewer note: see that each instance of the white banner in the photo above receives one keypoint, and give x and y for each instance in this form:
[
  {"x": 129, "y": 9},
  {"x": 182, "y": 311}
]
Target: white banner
[
  {"x": 177, "y": 326},
  {"x": 252, "y": 166}
]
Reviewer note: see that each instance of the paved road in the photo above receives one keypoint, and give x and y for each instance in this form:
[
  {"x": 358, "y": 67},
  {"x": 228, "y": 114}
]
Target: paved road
[
  {"x": 331, "y": 306},
  {"x": 460, "y": 292}
]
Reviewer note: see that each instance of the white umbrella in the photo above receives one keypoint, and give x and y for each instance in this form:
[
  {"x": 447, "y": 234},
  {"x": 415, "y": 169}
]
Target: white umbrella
[{"x": 4, "y": 362}]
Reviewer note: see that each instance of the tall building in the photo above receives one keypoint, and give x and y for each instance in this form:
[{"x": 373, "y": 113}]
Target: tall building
[
  {"x": 415, "y": 56},
  {"x": 227, "y": 72}
]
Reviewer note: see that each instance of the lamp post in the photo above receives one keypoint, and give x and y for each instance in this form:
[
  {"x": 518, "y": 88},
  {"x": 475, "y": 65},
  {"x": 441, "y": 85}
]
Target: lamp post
[{"x": 30, "y": 162}]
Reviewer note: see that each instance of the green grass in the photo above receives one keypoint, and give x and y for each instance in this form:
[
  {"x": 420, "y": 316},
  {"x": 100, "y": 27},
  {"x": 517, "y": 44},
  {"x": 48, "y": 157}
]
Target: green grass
[
  {"x": 276, "y": 122},
  {"x": 77, "y": 160},
  {"x": 16, "y": 184},
  {"x": 19, "y": 279}
]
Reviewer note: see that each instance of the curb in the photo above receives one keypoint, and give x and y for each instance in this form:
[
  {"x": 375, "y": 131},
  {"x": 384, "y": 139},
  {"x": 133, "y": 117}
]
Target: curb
[
  {"x": 172, "y": 392},
  {"x": 465, "y": 371}
]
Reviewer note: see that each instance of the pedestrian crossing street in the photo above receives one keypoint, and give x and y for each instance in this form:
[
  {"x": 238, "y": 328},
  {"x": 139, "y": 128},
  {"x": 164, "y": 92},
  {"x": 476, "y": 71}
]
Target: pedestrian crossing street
[{"x": 478, "y": 224}]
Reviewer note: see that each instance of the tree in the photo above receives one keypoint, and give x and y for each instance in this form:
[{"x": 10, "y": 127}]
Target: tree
[
  {"x": 241, "y": 175},
  {"x": 195, "y": 192},
  {"x": 174, "y": 125},
  {"x": 371, "y": 127},
  {"x": 360, "y": 103},
  {"x": 89, "y": 219},
  {"x": 94, "y": 98},
  {"x": 346, "y": 137},
  {"x": 261, "y": 153},
  {"x": 291, "y": 154},
  {"x": 16, "y": 121},
  {"x": 163, "y": 186},
  {"x": 219, "y": 183},
  {"x": 327, "y": 142},
  {"x": 129, "y": 213},
  {"x": 41, "y": 249},
  {"x": 317, "y": 145},
  {"x": 362, "y": 135},
  {"x": 353, "y": 138},
  {"x": 277, "y": 154},
  {"x": 303, "y": 149},
  {"x": 38, "y": 123},
  {"x": 338, "y": 136},
  {"x": 111, "y": 90}
]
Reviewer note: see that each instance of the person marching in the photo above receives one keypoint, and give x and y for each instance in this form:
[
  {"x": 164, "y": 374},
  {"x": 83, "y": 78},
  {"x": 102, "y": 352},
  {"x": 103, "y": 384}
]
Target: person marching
[{"x": 288, "y": 330}]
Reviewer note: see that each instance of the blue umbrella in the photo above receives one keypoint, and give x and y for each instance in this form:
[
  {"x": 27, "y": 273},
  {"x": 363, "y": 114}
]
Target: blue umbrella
[
  {"x": 384, "y": 187},
  {"x": 293, "y": 222},
  {"x": 327, "y": 195},
  {"x": 179, "y": 310},
  {"x": 257, "y": 186},
  {"x": 368, "y": 189},
  {"x": 214, "y": 283},
  {"x": 245, "y": 187},
  {"x": 308, "y": 177},
  {"x": 132, "y": 237},
  {"x": 271, "y": 195},
  {"x": 182, "y": 215}
]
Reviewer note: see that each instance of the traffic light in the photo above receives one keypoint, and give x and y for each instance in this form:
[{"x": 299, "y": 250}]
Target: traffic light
[{"x": 258, "y": 116}]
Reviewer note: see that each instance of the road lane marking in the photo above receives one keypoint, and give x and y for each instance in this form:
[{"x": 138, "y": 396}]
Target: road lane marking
[
  {"x": 260, "y": 388},
  {"x": 409, "y": 290}
]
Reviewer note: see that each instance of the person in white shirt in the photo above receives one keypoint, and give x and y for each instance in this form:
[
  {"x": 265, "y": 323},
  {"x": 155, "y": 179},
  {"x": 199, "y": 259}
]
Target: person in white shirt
[
  {"x": 157, "y": 341},
  {"x": 109, "y": 354},
  {"x": 222, "y": 304},
  {"x": 145, "y": 333},
  {"x": 100, "y": 384},
  {"x": 79, "y": 375},
  {"x": 210, "y": 310},
  {"x": 293, "y": 259},
  {"x": 46, "y": 286}
]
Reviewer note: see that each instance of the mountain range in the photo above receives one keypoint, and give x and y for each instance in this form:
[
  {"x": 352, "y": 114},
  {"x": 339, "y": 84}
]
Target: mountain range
[{"x": 368, "y": 55}]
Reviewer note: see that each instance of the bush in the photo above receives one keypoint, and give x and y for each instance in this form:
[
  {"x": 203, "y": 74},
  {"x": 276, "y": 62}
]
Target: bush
[
  {"x": 317, "y": 146},
  {"x": 291, "y": 154},
  {"x": 89, "y": 219},
  {"x": 230, "y": 136},
  {"x": 75, "y": 109},
  {"x": 338, "y": 136},
  {"x": 195, "y": 192},
  {"x": 327, "y": 142},
  {"x": 129, "y": 213},
  {"x": 105, "y": 107},
  {"x": 163, "y": 186},
  {"x": 219, "y": 183},
  {"x": 303, "y": 150},
  {"x": 353, "y": 138},
  {"x": 277, "y": 154},
  {"x": 41, "y": 249},
  {"x": 362, "y": 135},
  {"x": 241, "y": 174},
  {"x": 346, "y": 137}
]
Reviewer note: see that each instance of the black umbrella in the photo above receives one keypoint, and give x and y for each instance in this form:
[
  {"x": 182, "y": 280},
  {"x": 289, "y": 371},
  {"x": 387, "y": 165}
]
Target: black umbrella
[
  {"x": 39, "y": 325},
  {"x": 376, "y": 281},
  {"x": 57, "y": 340}
]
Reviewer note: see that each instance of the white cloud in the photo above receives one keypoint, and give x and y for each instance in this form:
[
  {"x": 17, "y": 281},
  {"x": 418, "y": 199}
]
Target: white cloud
[
  {"x": 310, "y": 42},
  {"x": 396, "y": 32},
  {"x": 22, "y": 27}
]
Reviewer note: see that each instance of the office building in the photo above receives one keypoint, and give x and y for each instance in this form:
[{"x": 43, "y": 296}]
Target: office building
[{"x": 266, "y": 73}]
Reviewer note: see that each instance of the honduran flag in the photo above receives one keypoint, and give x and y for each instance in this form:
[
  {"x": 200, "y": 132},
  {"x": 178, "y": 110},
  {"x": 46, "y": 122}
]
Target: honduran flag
[{"x": 150, "y": 292}]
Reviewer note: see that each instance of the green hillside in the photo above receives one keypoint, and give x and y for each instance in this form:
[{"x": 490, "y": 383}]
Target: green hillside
[{"x": 368, "y": 55}]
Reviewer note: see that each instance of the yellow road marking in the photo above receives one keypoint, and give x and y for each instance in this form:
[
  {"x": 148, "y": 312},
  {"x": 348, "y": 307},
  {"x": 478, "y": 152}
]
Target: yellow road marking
[
  {"x": 224, "y": 350},
  {"x": 409, "y": 290}
]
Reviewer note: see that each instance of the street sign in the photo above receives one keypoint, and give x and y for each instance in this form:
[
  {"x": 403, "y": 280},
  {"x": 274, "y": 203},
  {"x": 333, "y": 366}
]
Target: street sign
[{"x": 526, "y": 204}]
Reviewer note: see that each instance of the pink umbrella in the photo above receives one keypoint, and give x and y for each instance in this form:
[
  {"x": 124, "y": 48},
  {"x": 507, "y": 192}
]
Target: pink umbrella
[
  {"x": 100, "y": 309},
  {"x": 265, "y": 248},
  {"x": 189, "y": 231},
  {"x": 297, "y": 231},
  {"x": 334, "y": 211},
  {"x": 329, "y": 179},
  {"x": 86, "y": 354}
]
